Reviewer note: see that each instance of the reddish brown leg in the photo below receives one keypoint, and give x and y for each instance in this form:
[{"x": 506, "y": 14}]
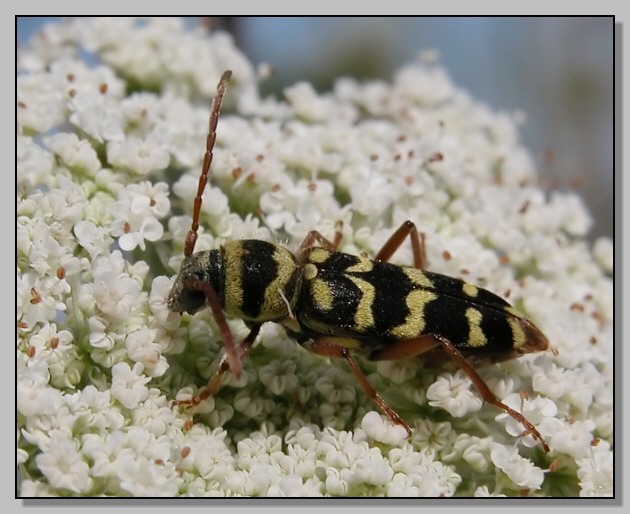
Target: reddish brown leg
[
  {"x": 224, "y": 366},
  {"x": 486, "y": 394},
  {"x": 404, "y": 348},
  {"x": 314, "y": 238},
  {"x": 407, "y": 229},
  {"x": 417, "y": 346},
  {"x": 328, "y": 348},
  {"x": 215, "y": 305}
]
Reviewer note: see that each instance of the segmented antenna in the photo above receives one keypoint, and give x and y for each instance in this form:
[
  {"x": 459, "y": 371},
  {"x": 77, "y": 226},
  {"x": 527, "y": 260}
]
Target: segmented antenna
[{"x": 191, "y": 237}]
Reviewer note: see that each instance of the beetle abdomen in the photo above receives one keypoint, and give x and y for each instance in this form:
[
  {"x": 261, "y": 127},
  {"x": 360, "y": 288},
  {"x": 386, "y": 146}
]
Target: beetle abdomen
[{"x": 376, "y": 301}]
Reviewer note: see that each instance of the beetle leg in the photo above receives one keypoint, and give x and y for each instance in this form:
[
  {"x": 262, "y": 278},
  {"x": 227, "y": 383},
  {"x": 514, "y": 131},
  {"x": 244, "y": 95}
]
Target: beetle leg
[
  {"x": 407, "y": 229},
  {"x": 403, "y": 348},
  {"x": 486, "y": 394},
  {"x": 219, "y": 317},
  {"x": 419, "y": 345},
  {"x": 224, "y": 366},
  {"x": 327, "y": 347},
  {"x": 316, "y": 238}
]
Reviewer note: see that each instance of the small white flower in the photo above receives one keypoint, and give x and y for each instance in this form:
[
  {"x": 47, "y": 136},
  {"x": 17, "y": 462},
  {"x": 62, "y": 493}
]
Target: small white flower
[
  {"x": 140, "y": 476},
  {"x": 372, "y": 193},
  {"x": 46, "y": 253},
  {"x": 133, "y": 229},
  {"x": 304, "y": 438},
  {"x": 212, "y": 459},
  {"x": 97, "y": 116},
  {"x": 157, "y": 303},
  {"x": 376, "y": 427},
  {"x": 402, "y": 486},
  {"x": 49, "y": 337},
  {"x": 36, "y": 398},
  {"x": 279, "y": 376},
  {"x": 142, "y": 112},
  {"x": 75, "y": 153},
  {"x": 100, "y": 336},
  {"x": 372, "y": 470},
  {"x": 64, "y": 467},
  {"x": 135, "y": 218},
  {"x": 453, "y": 394},
  {"x": 141, "y": 157},
  {"x": 252, "y": 406},
  {"x": 94, "y": 408},
  {"x": 339, "y": 450},
  {"x": 128, "y": 385},
  {"x": 35, "y": 304},
  {"x": 146, "y": 443},
  {"x": 295, "y": 486},
  {"x": 405, "y": 459},
  {"x": 39, "y": 103},
  {"x": 573, "y": 439},
  {"x": 336, "y": 483},
  {"x": 257, "y": 448},
  {"x": 419, "y": 475},
  {"x": 141, "y": 348},
  {"x": 103, "y": 452},
  {"x": 182, "y": 129},
  {"x": 94, "y": 239},
  {"x": 336, "y": 415},
  {"x": 156, "y": 415},
  {"x": 66, "y": 368},
  {"x": 307, "y": 104},
  {"x": 298, "y": 460},
  {"x": 572, "y": 213},
  {"x": 34, "y": 164},
  {"x": 471, "y": 449},
  {"x": 596, "y": 472},
  {"x": 398, "y": 371},
  {"x": 250, "y": 483},
  {"x": 539, "y": 411},
  {"x": 434, "y": 437},
  {"x": 521, "y": 471},
  {"x": 430, "y": 85},
  {"x": 335, "y": 386},
  {"x": 116, "y": 294}
]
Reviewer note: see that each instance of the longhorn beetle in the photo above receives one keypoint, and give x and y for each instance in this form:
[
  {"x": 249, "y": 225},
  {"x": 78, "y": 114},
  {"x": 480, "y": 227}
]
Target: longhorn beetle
[{"x": 335, "y": 304}]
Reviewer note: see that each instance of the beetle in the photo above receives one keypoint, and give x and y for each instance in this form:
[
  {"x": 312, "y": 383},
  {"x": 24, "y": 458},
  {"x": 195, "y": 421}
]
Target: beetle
[{"x": 336, "y": 304}]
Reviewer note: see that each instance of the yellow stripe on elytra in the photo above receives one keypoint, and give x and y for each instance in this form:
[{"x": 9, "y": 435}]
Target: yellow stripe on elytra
[
  {"x": 363, "y": 265},
  {"x": 418, "y": 278},
  {"x": 321, "y": 294},
  {"x": 476, "y": 337},
  {"x": 363, "y": 317},
  {"x": 511, "y": 310},
  {"x": 470, "y": 289},
  {"x": 413, "y": 326},
  {"x": 518, "y": 334}
]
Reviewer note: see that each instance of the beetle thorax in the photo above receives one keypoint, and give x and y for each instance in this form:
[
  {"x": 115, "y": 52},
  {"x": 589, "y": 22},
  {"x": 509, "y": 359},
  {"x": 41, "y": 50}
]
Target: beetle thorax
[{"x": 262, "y": 281}]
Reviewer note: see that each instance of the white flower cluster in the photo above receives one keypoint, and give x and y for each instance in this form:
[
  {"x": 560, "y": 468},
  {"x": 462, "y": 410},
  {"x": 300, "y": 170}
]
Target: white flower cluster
[{"x": 111, "y": 127}]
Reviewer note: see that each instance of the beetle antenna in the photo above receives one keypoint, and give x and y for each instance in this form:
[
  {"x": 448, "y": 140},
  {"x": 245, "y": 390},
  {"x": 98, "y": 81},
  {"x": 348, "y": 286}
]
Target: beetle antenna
[{"x": 191, "y": 237}]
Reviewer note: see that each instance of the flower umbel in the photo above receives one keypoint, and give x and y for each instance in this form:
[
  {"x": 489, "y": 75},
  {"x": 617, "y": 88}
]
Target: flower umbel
[{"x": 108, "y": 160}]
